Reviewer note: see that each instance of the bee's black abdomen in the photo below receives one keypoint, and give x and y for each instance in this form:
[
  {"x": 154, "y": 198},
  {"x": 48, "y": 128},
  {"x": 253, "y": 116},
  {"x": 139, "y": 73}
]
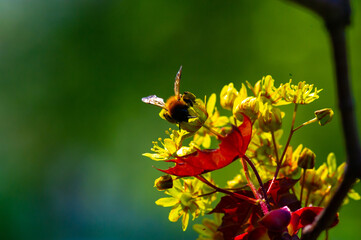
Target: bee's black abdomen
[{"x": 179, "y": 112}]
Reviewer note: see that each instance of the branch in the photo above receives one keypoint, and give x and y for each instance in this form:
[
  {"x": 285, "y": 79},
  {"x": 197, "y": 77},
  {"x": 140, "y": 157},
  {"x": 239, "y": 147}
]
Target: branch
[
  {"x": 334, "y": 12},
  {"x": 336, "y": 15}
]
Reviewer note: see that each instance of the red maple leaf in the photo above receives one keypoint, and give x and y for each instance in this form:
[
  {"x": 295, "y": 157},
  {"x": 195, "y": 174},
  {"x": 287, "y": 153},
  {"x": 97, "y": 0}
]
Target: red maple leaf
[
  {"x": 232, "y": 147},
  {"x": 280, "y": 193},
  {"x": 239, "y": 215}
]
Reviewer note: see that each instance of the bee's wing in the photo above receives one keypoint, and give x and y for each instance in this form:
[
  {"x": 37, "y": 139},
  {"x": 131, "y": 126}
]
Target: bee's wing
[
  {"x": 177, "y": 82},
  {"x": 154, "y": 100}
]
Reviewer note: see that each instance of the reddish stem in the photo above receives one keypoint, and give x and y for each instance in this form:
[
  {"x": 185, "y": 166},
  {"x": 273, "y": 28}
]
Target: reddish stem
[
  {"x": 233, "y": 194},
  {"x": 259, "y": 181},
  {"x": 285, "y": 150}
]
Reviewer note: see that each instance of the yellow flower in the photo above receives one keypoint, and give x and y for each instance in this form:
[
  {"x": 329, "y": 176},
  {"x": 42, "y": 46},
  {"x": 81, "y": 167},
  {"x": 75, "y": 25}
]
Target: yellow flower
[
  {"x": 228, "y": 95},
  {"x": 170, "y": 147},
  {"x": 242, "y": 95},
  {"x": 265, "y": 89},
  {"x": 300, "y": 93},
  {"x": 208, "y": 230},
  {"x": 185, "y": 200},
  {"x": 248, "y": 106},
  {"x": 214, "y": 122}
]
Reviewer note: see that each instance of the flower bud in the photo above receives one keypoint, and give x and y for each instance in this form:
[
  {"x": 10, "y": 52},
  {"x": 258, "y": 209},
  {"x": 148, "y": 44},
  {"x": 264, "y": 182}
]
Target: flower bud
[
  {"x": 277, "y": 220},
  {"x": 324, "y": 116},
  {"x": 306, "y": 159},
  {"x": 163, "y": 182},
  {"x": 249, "y": 107},
  {"x": 228, "y": 95},
  {"x": 270, "y": 119}
]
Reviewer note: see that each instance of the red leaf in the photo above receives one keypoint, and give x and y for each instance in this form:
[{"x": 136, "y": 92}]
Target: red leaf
[
  {"x": 239, "y": 215},
  {"x": 305, "y": 216},
  {"x": 280, "y": 193},
  {"x": 232, "y": 147}
]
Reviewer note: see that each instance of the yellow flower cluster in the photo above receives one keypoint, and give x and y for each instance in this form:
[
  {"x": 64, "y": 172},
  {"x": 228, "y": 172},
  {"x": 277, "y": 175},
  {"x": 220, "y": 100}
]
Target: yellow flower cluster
[
  {"x": 263, "y": 108},
  {"x": 321, "y": 183},
  {"x": 188, "y": 197},
  {"x": 171, "y": 147},
  {"x": 300, "y": 93}
]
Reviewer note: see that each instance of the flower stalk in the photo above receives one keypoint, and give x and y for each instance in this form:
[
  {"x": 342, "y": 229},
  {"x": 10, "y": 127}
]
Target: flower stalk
[
  {"x": 233, "y": 194},
  {"x": 286, "y": 146}
]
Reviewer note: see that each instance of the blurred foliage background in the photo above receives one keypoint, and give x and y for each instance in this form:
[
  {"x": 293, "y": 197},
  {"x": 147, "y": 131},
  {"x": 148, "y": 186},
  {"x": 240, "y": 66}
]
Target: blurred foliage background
[{"x": 73, "y": 127}]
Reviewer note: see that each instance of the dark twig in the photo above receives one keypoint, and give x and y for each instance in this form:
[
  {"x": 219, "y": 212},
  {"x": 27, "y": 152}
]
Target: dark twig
[{"x": 336, "y": 14}]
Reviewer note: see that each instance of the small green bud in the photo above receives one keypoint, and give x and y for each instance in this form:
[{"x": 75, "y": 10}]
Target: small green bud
[
  {"x": 228, "y": 95},
  {"x": 270, "y": 119},
  {"x": 324, "y": 116},
  {"x": 163, "y": 182},
  {"x": 306, "y": 159}
]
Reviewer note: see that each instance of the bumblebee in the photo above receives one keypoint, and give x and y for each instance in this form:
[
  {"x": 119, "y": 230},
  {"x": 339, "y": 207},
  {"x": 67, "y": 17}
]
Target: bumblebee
[{"x": 176, "y": 108}]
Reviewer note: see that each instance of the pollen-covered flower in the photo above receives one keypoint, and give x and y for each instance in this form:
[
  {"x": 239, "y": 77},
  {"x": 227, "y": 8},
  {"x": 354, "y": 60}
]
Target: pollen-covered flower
[
  {"x": 170, "y": 147},
  {"x": 208, "y": 230},
  {"x": 301, "y": 93},
  {"x": 214, "y": 123},
  {"x": 186, "y": 200}
]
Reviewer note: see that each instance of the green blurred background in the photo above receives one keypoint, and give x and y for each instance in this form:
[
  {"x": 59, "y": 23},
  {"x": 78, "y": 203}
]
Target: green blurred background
[{"x": 73, "y": 127}]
